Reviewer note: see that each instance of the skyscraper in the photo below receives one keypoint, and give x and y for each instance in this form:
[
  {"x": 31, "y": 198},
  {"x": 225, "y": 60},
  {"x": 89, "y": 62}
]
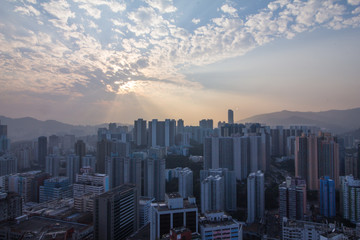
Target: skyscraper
[
  {"x": 4, "y": 141},
  {"x": 350, "y": 198},
  {"x": 140, "y": 132},
  {"x": 42, "y": 151},
  {"x": 53, "y": 164},
  {"x": 170, "y": 131},
  {"x": 292, "y": 199},
  {"x": 154, "y": 178},
  {"x": 115, "y": 170},
  {"x": 8, "y": 164},
  {"x": 255, "y": 197},
  {"x": 186, "y": 183},
  {"x": 80, "y": 150},
  {"x": 116, "y": 213},
  {"x": 230, "y": 116},
  {"x": 327, "y": 197},
  {"x": 228, "y": 193},
  {"x": 72, "y": 167},
  {"x": 212, "y": 194}
]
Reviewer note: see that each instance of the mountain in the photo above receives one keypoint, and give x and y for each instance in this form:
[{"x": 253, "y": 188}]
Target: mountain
[
  {"x": 28, "y": 128},
  {"x": 337, "y": 121}
]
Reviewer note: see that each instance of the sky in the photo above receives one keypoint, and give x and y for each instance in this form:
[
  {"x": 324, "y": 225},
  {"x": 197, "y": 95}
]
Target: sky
[{"x": 96, "y": 61}]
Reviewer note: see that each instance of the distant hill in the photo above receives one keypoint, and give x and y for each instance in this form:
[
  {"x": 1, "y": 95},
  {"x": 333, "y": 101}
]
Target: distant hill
[
  {"x": 28, "y": 128},
  {"x": 337, "y": 121}
]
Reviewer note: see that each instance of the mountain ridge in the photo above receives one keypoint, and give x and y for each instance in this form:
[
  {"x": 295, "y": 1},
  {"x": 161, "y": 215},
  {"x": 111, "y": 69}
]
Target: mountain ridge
[{"x": 337, "y": 121}]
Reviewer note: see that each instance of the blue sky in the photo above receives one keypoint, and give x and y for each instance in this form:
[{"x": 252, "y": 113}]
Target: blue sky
[{"x": 92, "y": 61}]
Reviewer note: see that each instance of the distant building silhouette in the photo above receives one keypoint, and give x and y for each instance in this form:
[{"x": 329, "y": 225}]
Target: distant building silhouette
[
  {"x": 42, "y": 150},
  {"x": 230, "y": 116}
]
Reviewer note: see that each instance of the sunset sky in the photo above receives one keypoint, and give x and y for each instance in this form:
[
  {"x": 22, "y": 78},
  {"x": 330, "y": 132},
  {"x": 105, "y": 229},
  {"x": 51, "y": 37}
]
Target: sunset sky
[{"x": 95, "y": 61}]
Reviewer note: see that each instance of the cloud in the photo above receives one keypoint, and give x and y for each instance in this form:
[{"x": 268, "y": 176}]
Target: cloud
[
  {"x": 229, "y": 10},
  {"x": 27, "y": 10},
  {"x": 195, "y": 21},
  {"x": 354, "y": 2},
  {"x": 164, "y": 6},
  {"x": 143, "y": 50}
]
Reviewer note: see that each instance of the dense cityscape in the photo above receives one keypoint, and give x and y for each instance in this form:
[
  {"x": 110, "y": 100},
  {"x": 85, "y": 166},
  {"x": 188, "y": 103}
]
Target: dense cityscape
[
  {"x": 166, "y": 180},
  {"x": 178, "y": 120}
]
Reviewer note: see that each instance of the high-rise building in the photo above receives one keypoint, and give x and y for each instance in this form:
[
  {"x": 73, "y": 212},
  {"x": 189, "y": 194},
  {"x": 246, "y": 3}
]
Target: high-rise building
[
  {"x": 350, "y": 198},
  {"x": 4, "y": 141},
  {"x": 292, "y": 199},
  {"x": 115, "y": 170},
  {"x": 315, "y": 157},
  {"x": 358, "y": 161},
  {"x": 186, "y": 183},
  {"x": 219, "y": 225},
  {"x": 328, "y": 152},
  {"x": 144, "y": 210},
  {"x": 227, "y": 194},
  {"x": 53, "y": 164},
  {"x": 241, "y": 157},
  {"x": 110, "y": 148},
  {"x": 80, "y": 150},
  {"x": 243, "y": 154},
  {"x": 27, "y": 184},
  {"x": 10, "y": 206},
  {"x": 212, "y": 194},
  {"x": 154, "y": 178},
  {"x": 72, "y": 167},
  {"x": 96, "y": 183},
  {"x": 42, "y": 151},
  {"x": 230, "y": 116},
  {"x": 8, "y": 164},
  {"x": 68, "y": 143},
  {"x": 170, "y": 132},
  {"x": 103, "y": 151},
  {"x": 327, "y": 197},
  {"x": 140, "y": 137},
  {"x": 54, "y": 144},
  {"x": 55, "y": 188},
  {"x": 255, "y": 196},
  {"x": 180, "y": 126},
  {"x": 175, "y": 212},
  {"x": 116, "y": 213},
  {"x": 89, "y": 161}
]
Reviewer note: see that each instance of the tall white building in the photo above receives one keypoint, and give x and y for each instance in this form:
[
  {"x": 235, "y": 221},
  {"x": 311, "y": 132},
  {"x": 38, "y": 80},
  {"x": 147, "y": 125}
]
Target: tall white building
[
  {"x": 229, "y": 187},
  {"x": 186, "y": 183},
  {"x": 350, "y": 198},
  {"x": 255, "y": 196},
  {"x": 212, "y": 194},
  {"x": 86, "y": 187}
]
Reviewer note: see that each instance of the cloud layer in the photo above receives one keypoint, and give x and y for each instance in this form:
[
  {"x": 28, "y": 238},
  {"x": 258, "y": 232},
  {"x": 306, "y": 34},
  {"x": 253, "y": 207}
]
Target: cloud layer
[{"x": 141, "y": 47}]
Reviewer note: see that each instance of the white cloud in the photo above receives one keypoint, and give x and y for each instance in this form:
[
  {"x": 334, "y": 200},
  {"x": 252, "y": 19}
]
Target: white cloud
[
  {"x": 354, "y": 2},
  {"x": 229, "y": 10},
  {"x": 195, "y": 21},
  {"x": 164, "y": 6},
  {"x": 91, "y": 10},
  {"x": 27, "y": 10}
]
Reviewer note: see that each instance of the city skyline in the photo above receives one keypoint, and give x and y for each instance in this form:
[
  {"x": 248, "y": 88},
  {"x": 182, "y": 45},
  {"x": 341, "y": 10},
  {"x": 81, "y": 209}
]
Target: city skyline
[{"x": 89, "y": 62}]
